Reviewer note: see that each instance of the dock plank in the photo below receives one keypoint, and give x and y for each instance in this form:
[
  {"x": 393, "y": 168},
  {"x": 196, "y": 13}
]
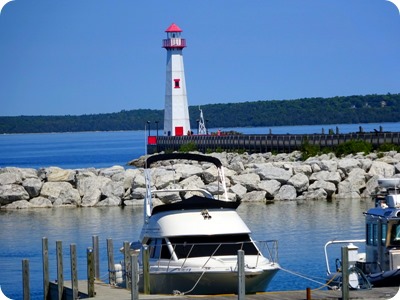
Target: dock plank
[{"x": 105, "y": 291}]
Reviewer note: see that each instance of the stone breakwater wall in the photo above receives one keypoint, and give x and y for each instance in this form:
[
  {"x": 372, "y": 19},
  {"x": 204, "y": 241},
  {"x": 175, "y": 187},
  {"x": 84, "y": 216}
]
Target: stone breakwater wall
[{"x": 255, "y": 177}]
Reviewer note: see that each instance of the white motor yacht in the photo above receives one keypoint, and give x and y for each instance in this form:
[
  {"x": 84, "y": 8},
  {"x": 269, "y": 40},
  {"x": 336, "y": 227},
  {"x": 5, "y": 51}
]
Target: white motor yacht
[{"x": 193, "y": 243}]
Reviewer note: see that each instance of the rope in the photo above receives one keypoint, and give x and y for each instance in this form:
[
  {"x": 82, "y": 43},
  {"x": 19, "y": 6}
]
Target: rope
[
  {"x": 179, "y": 293},
  {"x": 310, "y": 279}
]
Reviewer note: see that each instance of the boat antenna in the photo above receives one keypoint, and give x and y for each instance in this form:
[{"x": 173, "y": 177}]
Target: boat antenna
[{"x": 202, "y": 126}]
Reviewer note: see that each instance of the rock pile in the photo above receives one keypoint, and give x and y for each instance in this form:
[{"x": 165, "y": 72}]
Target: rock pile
[{"x": 255, "y": 177}]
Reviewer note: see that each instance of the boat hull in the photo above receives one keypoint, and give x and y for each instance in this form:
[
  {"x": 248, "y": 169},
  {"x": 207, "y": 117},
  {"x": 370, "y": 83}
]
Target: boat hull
[
  {"x": 199, "y": 283},
  {"x": 385, "y": 279}
]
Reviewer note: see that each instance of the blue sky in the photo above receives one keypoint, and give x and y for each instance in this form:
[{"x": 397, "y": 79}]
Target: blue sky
[{"x": 99, "y": 56}]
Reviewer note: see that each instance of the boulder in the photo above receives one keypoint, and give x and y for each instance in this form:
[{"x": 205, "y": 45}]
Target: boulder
[
  {"x": 187, "y": 171},
  {"x": 328, "y": 165},
  {"x": 41, "y": 202},
  {"x": 239, "y": 190},
  {"x": 299, "y": 181},
  {"x": 348, "y": 164},
  {"x": 271, "y": 187},
  {"x": 92, "y": 198},
  {"x": 32, "y": 186},
  {"x": 254, "y": 196},
  {"x": 286, "y": 192},
  {"x": 269, "y": 172},
  {"x": 328, "y": 187},
  {"x": 20, "y": 204},
  {"x": 317, "y": 194},
  {"x": 63, "y": 191},
  {"x": 7, "y": 178},
  {"x": 381, "y": 169},
  {"x": 113, "y": 188},
  {"x": 110, "y": 201},
  {"x": 109, "y": 172},
  {"x": 249, "y": 181},
  {"x": 302, "y": 168},
  {"x": 55, "y": 174},
  {"x": 12, "y": 192},
  {"x": 138, "y": 193},
  {"x": 333, "y": 177}
]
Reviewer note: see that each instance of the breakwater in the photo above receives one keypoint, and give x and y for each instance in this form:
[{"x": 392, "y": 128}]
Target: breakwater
[
  {"x": 250, "y": 177},
  {"x": 263, "y": 143}
]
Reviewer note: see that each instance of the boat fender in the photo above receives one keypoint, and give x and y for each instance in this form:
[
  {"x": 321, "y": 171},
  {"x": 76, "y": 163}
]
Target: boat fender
[
  {"x": 353, "y": 280},
  {"x": 118, "y": 273}
]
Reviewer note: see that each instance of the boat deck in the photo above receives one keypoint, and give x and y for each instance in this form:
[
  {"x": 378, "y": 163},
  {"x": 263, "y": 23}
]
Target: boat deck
[{"x": 105, "y": 291}]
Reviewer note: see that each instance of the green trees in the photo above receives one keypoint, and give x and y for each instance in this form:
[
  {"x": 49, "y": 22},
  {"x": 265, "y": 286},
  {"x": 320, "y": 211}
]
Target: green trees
[{"x": 308, "y": 111}]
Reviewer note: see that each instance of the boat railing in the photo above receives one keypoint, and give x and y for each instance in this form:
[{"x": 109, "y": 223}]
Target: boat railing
[
  {"x": 184, "y": 251},
  {"x": 333, "y": 242}
]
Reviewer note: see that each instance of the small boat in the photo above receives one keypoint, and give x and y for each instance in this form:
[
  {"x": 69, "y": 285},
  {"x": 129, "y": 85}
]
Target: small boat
[
  {"x": 379, "y": 266},
  {"x": 193, "y": 243}
]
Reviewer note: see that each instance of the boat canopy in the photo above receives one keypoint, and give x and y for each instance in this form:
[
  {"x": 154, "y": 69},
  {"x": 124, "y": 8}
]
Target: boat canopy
[
  {"x": 187, "y": 156},
  {"x": 196, "y": 202}
]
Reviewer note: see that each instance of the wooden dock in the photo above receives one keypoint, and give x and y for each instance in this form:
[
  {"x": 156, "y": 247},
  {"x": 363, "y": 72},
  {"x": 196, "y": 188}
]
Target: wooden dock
[{"x": 105, "y": 291}]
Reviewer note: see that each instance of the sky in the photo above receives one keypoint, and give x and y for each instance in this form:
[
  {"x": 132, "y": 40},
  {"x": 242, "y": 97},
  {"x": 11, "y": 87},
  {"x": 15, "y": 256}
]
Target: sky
[{"x": 80, "y": 57}]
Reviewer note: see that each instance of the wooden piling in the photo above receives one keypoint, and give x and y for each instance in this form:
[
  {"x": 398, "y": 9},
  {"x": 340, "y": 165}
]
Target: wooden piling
[
  {"x": 90, "y": 272},
  {"x": 146, "y": 270},
  {"x": 134, "y": 277},
  {"x": 241, "y": 275},
  {"x": 308, "y": 293},
  {"x": 127, "y": 262},
  {"x": 111, "y": 266},
  {"x": 25, "y": 279},
  {"x": 45, "y": 262},
  {"x": 74, "y": 272},
  {"x": 95, "y": 244},
  {"x": 345, "y": 273},
  {"x": 60, "y": 276}
]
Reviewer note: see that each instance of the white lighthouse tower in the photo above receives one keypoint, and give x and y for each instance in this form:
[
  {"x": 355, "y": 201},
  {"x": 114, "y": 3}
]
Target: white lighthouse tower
[{"x": 176, "y": 111}]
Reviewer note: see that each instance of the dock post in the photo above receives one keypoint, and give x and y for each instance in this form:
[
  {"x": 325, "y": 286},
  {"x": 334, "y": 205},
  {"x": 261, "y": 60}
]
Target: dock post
[
  {"x": 146, "y": 270},
  {"x": 25, "y": 279},
  {"x": 111, "y": 266},
  {"x": 127, "y": 262},
  {"x": 345, "y": 273},
  {"x": 74, "y": 272},
  {"x": 241, "y": 275},
  {"x": 45, "y": 261},
  {"x": 134, "y": 277},
  {"x": 90, "y": 272},
  {"x": 60, "y": 276},
  {"x": 95, "y": 242},
  {"x": 308, "y": 293}
]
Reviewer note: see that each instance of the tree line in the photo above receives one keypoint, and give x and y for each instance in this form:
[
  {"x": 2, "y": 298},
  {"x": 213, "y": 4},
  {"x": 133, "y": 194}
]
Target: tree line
[{"x": 305, "y": 111}]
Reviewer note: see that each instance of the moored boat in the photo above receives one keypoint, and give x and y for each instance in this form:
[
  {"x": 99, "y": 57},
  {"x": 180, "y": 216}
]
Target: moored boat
[
  {"x": 193, "y": 242},
  {"x": 379, "y": 266}
]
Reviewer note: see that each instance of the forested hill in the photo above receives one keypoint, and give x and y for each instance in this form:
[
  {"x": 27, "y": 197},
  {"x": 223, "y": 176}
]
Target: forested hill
[{"x": 308, "y": 111}]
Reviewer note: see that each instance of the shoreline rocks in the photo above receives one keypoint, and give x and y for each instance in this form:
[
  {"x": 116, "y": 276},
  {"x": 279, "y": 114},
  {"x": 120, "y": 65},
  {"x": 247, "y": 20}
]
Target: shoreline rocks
[{"x": 249, "y": 177}]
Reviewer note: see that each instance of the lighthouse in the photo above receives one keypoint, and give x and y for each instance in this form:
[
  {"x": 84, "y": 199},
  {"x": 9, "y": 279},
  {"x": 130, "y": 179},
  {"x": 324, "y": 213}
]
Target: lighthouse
[{"x": 176, "y": 111}]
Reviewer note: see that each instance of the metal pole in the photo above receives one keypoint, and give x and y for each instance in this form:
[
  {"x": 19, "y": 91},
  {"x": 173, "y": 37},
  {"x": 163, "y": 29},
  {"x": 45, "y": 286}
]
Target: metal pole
[
  {"x": 241, "y": 275},
  {"x": 345, "y": 273},
  {"x": 148, "y": 127}
]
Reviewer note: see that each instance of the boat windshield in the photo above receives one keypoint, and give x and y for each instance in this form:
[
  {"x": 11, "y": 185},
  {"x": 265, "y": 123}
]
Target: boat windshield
[
  {"x": 395, "y": 235},
  {"x": 219, "y": 245}
]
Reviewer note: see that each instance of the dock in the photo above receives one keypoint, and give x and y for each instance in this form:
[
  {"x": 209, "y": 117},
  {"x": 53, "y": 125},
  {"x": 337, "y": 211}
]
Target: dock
[
  {"x": 262, "y": 143},
  {"x": 105, "y": 291}
]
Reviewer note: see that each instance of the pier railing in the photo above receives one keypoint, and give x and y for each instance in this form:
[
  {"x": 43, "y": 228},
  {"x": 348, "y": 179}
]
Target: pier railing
[{"x": 262, "y": 143}]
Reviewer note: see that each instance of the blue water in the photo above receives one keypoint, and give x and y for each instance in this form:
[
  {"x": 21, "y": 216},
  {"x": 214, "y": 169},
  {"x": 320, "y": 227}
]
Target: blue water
[
  {"x": 302, "y": 228},
  {"x": 105, "y": 149}
]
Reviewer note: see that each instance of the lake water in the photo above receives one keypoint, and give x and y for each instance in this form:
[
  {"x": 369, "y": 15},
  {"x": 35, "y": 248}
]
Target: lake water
[{"x": 301, "y": 228}]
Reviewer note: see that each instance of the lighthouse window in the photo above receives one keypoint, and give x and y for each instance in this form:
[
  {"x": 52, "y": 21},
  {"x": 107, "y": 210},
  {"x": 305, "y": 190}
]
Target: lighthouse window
[{"x": 176, "y": 81}]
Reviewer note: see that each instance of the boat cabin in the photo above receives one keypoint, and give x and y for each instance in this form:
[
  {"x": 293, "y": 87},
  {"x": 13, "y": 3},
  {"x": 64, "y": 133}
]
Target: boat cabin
[{"x": 383, "y": 234}]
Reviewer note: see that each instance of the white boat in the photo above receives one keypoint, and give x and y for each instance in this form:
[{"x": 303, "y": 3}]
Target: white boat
[
  {"x": 193, "y": 243},
  {"x": 379, "y": 266}
]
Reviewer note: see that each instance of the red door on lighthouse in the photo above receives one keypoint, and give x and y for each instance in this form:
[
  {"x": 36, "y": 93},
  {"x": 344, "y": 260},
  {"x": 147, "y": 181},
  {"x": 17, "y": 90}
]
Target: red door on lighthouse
[{"x": 178, "y": 130}]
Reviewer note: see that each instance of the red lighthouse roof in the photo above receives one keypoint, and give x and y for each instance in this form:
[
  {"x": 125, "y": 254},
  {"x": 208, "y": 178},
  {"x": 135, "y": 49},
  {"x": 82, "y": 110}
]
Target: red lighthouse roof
[{"x": 173, "y": 28}]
